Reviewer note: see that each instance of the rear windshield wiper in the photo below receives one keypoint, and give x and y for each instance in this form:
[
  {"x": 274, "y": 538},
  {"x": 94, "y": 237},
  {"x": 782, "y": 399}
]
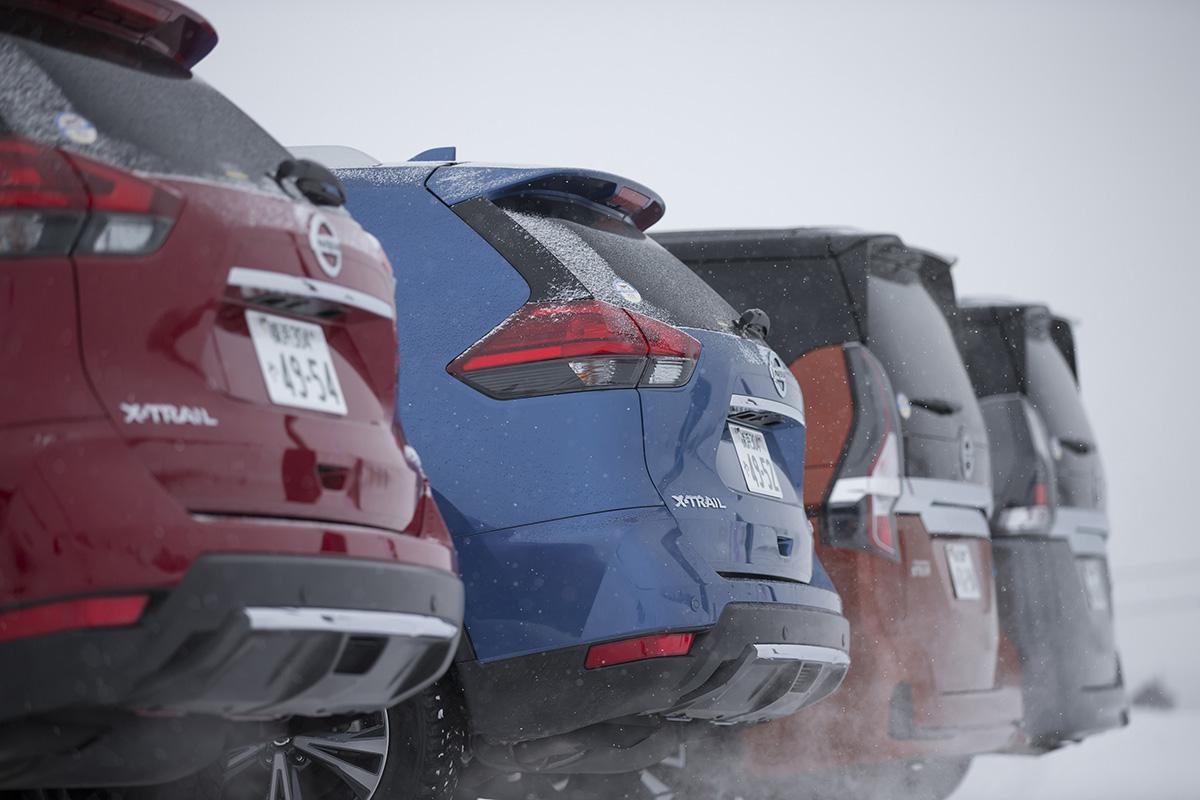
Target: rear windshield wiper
[
  {"x": 312, "y": 180},
  {"x": 1078, "y": 446},
  {"x": 753, "y": 322},
  {"x": 935, "y": 405}
]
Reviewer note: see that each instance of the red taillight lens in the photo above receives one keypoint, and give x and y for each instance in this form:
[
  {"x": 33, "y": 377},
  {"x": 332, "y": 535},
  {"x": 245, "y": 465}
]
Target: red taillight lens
[
  {"x": 90, "y": 612},
  {"x": 672, "y": 353},
  {"x": 639, "y": 649},
  {"x": 569, "y": 347},
  {"x": 128, "y": 215},
  {"x": 32, "y": 176},
  {"x": 42, "y": 203},
  {"x": 56, "y": 203}
]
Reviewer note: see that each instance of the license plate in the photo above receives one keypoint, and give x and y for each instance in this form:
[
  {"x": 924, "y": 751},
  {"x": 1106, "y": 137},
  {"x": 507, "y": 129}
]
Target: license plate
[
  {"x": 757, "y": 466},
  {"x": 295, "y": 363},
  {"x": 1094, "y": 583},
  {"x": 962, "y": 571}
]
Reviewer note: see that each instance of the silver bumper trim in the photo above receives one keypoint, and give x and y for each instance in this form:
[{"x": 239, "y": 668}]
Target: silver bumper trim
[
  {"x": 351, "y": 621},
  {"x": 802, "y": 652}
]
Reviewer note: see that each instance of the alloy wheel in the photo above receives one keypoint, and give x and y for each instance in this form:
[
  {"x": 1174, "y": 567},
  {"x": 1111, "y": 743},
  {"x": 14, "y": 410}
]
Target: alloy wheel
[{"x": 345, "y": 762}]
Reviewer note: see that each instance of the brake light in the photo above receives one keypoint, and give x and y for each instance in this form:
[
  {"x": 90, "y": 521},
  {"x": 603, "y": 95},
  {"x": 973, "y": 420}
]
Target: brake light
[
  {"x": 550, "y": 348},
  {"x": 859, "y": 509},
  {"x": 90, "y": 612},
  {"x": 644, "y": 647},
  {"x": 57, "y": 203},
  {"x": 42, "y": 203}
]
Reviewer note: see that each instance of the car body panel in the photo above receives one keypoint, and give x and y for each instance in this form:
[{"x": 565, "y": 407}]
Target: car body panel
[
  {"x": 564, "y": 506},
  {"x": 928, "y": 676},
  {"x": 1057, "y": 603}
]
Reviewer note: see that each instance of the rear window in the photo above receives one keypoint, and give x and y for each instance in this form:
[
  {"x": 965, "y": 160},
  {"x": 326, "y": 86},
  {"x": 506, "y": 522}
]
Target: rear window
[
  {"x": 988, "y": 358},
  {"x": 610, "y": 257},
  {"x": 140, "y": 119},
  {"x": 804, "y": 297},
  {"x": 911, "y": 336},
  {"x": 1053, "y": 392}
]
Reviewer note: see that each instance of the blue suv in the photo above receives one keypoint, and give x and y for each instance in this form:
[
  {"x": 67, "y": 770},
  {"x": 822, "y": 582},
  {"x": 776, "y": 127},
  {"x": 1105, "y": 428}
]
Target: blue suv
[{"x": 618, "y": 456}]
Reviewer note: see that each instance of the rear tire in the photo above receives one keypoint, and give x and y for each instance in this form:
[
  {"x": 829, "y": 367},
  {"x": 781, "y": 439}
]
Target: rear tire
[{"x": 413, "y": 751}]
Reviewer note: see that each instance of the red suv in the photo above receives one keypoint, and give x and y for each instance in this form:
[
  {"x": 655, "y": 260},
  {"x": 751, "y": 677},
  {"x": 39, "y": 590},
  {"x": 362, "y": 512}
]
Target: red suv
[{"x": 205, "y": 512}]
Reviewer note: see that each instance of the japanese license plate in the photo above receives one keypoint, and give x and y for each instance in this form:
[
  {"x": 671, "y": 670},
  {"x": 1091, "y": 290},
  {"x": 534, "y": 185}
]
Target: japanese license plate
[
  {"x": 757, "y": 466},
  {"x": 962, "y": 571},
  {"x": 1094, "y": 583},
  {"x": 295, "y": 363}
]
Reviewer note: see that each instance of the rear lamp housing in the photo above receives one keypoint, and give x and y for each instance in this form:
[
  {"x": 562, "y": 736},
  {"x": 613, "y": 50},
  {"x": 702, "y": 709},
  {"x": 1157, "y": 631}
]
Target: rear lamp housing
[
  {"x": 858, "y": 510},
  {"x": 1026, "y": 488},
  {"x": 579, "y": 345},
  {"x": 55, "y": 203}
]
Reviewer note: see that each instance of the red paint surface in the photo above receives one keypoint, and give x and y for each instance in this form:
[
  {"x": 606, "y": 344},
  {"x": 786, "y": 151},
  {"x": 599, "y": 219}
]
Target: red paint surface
[
  {"x": 829, "y": 413},
  {"x": 90, "y": 504}
]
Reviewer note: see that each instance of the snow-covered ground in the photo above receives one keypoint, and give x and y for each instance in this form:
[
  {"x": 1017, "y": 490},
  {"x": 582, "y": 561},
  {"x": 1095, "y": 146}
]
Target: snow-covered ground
[{"x": 1154, "y": 758}]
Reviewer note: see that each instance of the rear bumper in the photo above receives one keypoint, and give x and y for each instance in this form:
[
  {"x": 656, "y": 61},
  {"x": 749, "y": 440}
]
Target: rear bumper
[
  {"x": 760, "y": 661},
  {"x": 959, "y": 723},
  {"x": 1069, "y": 667},
  {"x": 242, "y": 636},
  {"x": 925, "y": 677}
]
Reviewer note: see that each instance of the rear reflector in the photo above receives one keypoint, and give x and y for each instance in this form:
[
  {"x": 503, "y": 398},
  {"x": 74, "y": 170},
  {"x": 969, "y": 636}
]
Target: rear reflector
[
  {"x": 69, "y": 615},
  {"x": 657, "y": 646},
  {"x": 575, "y": 346}
]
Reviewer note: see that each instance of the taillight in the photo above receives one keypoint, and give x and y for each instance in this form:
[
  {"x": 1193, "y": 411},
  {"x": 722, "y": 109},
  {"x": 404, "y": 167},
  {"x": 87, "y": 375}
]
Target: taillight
[
  {"x": 57, "y": 203},
  {"x": 859, "y": 511},
  {"x": 70, "y": 615},
  {"x": 550, "y": 348},
  {"x": 643, "y": 647},
  {"x": 1031, "y": 506},
  {"x": 42, "y": 202}
]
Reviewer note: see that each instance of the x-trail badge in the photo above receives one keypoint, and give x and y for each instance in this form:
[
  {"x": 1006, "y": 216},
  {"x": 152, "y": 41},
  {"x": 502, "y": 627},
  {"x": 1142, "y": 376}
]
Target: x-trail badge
[{"x": 325, "y": 244}]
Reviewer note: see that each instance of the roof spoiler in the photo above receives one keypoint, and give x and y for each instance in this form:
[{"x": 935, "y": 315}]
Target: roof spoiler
[
  {"x": 1063, "y": 336},
  {"x": 165, "y": 27},
  {"x": 935, "y": 274},
  {"x": 641, "y": 206}
]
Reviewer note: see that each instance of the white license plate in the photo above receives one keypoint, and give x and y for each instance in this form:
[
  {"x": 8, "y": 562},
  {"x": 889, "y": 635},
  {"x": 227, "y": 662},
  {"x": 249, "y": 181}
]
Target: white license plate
[
  {"x": 757, "y": 466},
  {"x": 1094, "y": 583},
  {"x": 295, "y": 363},
  {"x": 962, "y": 571}
]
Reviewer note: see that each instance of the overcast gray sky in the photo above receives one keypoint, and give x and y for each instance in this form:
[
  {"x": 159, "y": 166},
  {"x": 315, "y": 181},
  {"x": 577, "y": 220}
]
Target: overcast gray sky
[{"x": 1053, "y": 147}]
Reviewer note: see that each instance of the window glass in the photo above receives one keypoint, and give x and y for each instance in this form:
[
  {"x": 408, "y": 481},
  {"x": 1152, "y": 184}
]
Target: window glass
[
  {"x": 911, "y": 336},
  {"x": 1053, "y": 392},
  {"x": 619, "y": 264},
  {"x": 143, "y": 119}
]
